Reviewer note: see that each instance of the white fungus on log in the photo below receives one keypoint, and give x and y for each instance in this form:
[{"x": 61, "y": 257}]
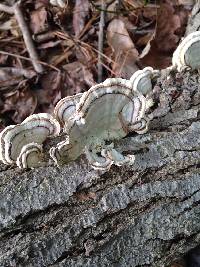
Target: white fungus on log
[
  {"x": 142, "y": 80},
  {"x": 65, "y": 108},
  {"x": 30, "y": 156},
  {"x": 91, "y": 121},
  {"x": 187, "y": 54},
  {"x": 14, "y": 139},
  {"x": 106, "y": 112}
]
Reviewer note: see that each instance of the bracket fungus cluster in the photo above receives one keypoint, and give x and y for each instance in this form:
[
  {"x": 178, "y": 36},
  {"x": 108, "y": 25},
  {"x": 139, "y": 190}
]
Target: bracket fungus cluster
[
  {"x": 105, "y": 113},
  {"x": 93, "y": 120}
]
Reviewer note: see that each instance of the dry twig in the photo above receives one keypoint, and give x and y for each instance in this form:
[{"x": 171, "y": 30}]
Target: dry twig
[
  {"x": 27, "y": 38},
  {"x": 100, "y": 41},
  {"x": 6, "y": 9},
  {"x": 26, "y": 34},
  {"x": 28, "y": 59}
]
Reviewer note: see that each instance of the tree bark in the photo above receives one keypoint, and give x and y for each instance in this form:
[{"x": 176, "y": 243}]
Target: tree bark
[
  {"x": 142, "y": 215},
  {"x": 147, "y": 214}
]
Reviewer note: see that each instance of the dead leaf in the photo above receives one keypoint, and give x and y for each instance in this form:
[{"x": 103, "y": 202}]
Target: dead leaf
[
  {"x": 14, "y": 27},
  {"x": 83, "y": 196},
  {"x": 159, "y": 49},
  {"x": 12, "y": 76},
  {"x": 80, "y": 13},
  {"x": 20, "y": 104},
  {"x": 85, "y": 55},
  {"x": 44, "y": 37},
  {"x": 143, "y": 41},
  {"x": 50, "y": 92},
  {"x": 38, "y": 20},
  {"x": 150, "y": 12},
  {"x": 78, "y": 78},
  {"x": 166, "y": 38},
  {"x": 58, "y": 3},
  {"x": 156, "y": 59},
  {"x": 51, "y": 82},
  {"x": 41, "y": 3},
  {"x": 8, "y": 25},
  {"x": 178, "y": 265},
  {"x": 3, "y": 59},
  {"x": 125, "y": 53},
  {"x": 11, "y": 61}
]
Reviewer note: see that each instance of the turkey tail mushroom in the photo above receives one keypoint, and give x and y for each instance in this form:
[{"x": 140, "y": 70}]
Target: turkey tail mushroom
[
  {"x": 187, "y": 54},
  {"x": 30, "y": 156},
  {"x": 66, "y": 108},
  {"x": 106, "y": 112},
  {"x": 34, "y": 130},
  {"x": 142, "y": 80}
]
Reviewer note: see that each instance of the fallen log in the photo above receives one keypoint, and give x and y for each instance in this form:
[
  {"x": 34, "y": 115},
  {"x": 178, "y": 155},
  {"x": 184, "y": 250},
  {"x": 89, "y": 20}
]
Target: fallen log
[{"x": 146, "y": 214}]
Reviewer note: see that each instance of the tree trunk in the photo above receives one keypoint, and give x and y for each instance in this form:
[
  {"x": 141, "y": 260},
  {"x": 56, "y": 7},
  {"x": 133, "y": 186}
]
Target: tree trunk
[{"x": 147, "y": 214}]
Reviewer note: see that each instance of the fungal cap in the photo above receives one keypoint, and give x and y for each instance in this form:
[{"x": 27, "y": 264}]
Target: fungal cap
[
  {"x": 187, "y": 52},
  {"x": 142, "y": 80},
  {"x": 65, "y": 108},
  {"x": 36, "y": 128},
  {"x": 98, "y": 162},
  {"x": 103, "y": 92},
  {"x": 30, "y": 156},
  {"x": 65, "y": 152}
]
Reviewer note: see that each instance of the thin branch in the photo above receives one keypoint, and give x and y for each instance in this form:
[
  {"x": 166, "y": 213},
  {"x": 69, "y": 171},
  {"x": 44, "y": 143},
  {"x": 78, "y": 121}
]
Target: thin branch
[
  {"x": 6, "y": 9},
  {"x": 75, "y": 40},
  {"x": 28, "y": 59},
  {"x": 100, "y": 41},
  {"x": 103, "y": 9},
  {"x": 123, "y": 11},
  {"x": 26, "y": 34},
  {"x": 27, "y": 38},
  {"x": 44, "y": 37}
]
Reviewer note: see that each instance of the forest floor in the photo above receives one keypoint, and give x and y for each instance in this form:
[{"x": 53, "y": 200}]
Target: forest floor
[{"x": 76, "y": 44}]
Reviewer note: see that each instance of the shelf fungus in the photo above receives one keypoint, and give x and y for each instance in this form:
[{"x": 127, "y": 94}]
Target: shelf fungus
[
  {"x": 66, "y": 107},
  {"x": 187, "y": 54},
  {"x": 30, "y": 156},
  {"x": 142, "y": 80},
  {"x": 95, "y": 119},
  {"x": 22, "y": 143}
]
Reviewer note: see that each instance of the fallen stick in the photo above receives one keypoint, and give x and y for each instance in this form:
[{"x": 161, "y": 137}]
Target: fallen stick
[
  {"x": 28, "y": 59},
  {"x": 100, "y": 42},
  {"x": 25, "y": 33},
  {"x": 6, "y": 9},
  {"x": 27, "y": 38}
]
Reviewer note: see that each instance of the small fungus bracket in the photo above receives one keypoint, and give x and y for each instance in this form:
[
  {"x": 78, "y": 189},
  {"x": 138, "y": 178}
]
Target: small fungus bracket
[
  {"x": 30, "y": 156},
  {"x": 22, "y": 143},
  {"x": 142, "y": 80},
  {"x": 187, "y": 53}
]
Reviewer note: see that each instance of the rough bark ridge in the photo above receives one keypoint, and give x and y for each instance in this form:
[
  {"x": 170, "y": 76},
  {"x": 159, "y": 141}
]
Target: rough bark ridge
[{"x": 144, "y": 215}]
